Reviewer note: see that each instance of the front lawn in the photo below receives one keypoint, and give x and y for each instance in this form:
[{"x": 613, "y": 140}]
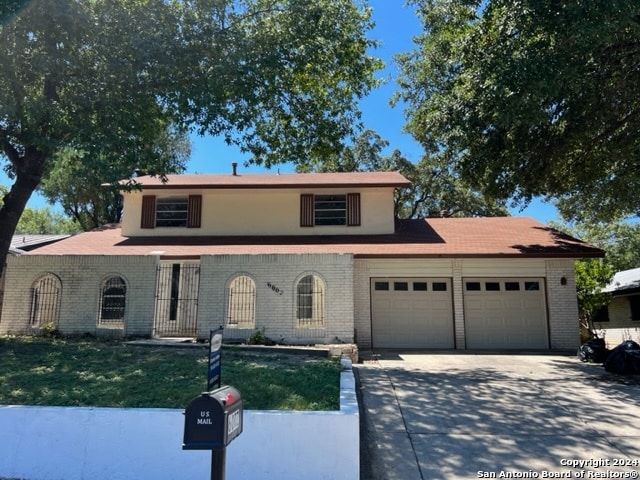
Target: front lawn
[{"x": 91, "y": 372}]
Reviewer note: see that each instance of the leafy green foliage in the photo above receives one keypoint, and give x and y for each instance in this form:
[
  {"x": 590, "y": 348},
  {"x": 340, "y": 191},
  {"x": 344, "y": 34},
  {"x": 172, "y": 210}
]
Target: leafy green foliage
[
  {"x": 44, "y": 221},
  {"x": 258, "y": 337},
  {"x": 435, "y": 190},
  {"x": 621, "y": 243},
  {"x": 280, "y": 78},
  {"x": 10, "y": 8},
  {"x": 591, "y": 276},
  {"x": 619, "y": 240},
  {"x": 87, "y": 191},
  {"x": 89, "y": 372},
  {"x": 531, "y": 98}
]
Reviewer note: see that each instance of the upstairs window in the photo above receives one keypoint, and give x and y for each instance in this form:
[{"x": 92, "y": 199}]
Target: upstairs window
[
  {"x": 173, "y": 211},
  {"x": 330, "y": 210}
]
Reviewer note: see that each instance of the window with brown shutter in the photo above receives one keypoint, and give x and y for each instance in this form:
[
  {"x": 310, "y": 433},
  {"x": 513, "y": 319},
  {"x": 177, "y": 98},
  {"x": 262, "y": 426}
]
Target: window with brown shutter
[
  {"x": 306, "y": 210},
  {"x": 148, "y": 217},
  {"x": 334, "y": 209},
  {"x": 353, "y": 210},
  {"x": 171, "y": 211},
  {"x": 194, "y": 211}
]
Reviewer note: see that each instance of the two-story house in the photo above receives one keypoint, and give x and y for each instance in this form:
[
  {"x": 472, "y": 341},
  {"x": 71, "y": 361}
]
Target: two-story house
[{"x": 307, "y": 258}]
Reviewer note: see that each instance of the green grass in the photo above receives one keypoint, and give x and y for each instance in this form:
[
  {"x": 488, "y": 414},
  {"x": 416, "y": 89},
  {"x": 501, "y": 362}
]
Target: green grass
[{"x": 90, "y": 372}]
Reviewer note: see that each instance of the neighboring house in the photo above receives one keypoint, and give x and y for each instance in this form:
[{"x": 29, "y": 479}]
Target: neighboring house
[
  {"x": 26, "y": 242},
  {"x": 23, "y": 243},
  {"x": 620, "y": 320},
  {"x": 308, "y": 258}
]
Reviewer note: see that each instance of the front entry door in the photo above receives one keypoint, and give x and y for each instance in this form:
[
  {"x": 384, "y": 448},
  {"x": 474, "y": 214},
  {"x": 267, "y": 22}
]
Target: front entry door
[{"x": 177, "y": 299}]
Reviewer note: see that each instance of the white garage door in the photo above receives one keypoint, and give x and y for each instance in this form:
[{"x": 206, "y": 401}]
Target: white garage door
[
  {"x": 411, "y": 313},
  {"x": 508, "y": 313}
]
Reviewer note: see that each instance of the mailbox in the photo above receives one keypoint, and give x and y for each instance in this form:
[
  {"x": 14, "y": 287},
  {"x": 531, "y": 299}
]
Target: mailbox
[{"x": 213, "y": 419}]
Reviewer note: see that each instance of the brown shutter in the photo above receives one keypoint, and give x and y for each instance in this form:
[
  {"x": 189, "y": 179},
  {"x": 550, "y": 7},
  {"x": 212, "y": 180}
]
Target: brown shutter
[
  {"x": 148, "y": 217},
  {"x": 353, "y": 209},
  {"x": 306, "y": 210},
  {"x": 194, "y": 212}
]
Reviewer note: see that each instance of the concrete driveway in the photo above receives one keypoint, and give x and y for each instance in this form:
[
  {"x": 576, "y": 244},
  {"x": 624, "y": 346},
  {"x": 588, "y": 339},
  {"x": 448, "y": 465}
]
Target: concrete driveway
[{"x": 459, "y": 416}]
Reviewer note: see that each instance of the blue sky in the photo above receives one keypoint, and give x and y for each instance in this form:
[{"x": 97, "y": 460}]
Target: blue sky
[{"x": 396, "y": 25}]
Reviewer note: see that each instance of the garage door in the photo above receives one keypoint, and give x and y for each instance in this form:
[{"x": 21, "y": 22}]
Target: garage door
[
  {"x": 506, "y": 313},
  {"x": 411, "y": 313}
]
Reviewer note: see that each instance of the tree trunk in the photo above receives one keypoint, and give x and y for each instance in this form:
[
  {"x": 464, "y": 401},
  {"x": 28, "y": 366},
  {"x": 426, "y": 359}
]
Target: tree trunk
[{"x": 28, "y": 175}]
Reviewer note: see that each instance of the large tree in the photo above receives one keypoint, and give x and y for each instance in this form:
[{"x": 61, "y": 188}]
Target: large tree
[
  {"x": 42, "y": 220},
  {"x": 435, "y": 190},
  {"x": 280, "y": 78},
  {"x": 621, "y": 242},
  {"x": 80, "y": 187},
  {"x": 534, "y": 97}
]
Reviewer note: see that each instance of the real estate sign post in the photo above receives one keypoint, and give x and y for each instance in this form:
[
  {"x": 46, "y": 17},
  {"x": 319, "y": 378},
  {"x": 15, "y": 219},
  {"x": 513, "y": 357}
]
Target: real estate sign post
[{"x": 215, "y": 353}]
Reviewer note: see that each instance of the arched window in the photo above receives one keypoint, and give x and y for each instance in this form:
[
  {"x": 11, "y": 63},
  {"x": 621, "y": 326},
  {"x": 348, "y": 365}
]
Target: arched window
[
  {"x": 45, "y": 301},
  {"x": 310, "y": 301},
  {"x": 241, "y": 311},
  {"x": 113, "y": 300}
]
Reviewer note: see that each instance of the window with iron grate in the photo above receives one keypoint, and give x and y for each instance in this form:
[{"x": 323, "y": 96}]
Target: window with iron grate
[
  {"x": 310, "y": 301},
  {"x": 241, "y": 310},
  {"x": 113, "y": 299}
]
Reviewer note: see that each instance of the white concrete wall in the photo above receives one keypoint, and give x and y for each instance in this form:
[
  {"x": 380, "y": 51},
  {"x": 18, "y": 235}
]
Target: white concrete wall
[
  {"x": 60, "y": 443},
  {"x": 263, "y": 212}
]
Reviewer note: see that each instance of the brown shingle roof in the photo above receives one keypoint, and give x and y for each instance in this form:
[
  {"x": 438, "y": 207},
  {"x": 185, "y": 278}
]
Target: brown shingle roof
[
  {"x": 285, "y": 180},
  {"x": 437, "y": 238}
]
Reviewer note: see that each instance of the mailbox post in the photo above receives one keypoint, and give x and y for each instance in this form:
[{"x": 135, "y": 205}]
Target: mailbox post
[{"x": 212, "y": 420}]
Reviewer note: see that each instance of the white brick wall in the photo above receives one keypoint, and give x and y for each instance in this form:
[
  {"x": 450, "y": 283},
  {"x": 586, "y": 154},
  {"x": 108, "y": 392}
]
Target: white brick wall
[
  {"x": 564, "y": 326},
  {"x": 81, "y": 277},
  {"x": 275, "y": 277},
  {"x": 347, "y": 293},
  {"x": 458, "y": 306},
  {"x": 362, "y": 303}
]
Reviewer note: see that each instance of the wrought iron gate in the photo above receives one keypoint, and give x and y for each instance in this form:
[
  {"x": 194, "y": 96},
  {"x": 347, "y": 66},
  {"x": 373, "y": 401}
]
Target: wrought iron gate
[{"x": 177, "y": 300}]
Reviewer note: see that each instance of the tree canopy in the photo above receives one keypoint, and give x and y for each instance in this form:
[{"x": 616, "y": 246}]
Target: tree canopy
[
  {"x": 621, "y": 242},
  {"x": 280, "y": 78},
  {"x": 45, "y": 221},
  {"x": 435, "y": 190},
  {"x": 42, "y": 220},
  {"x": 78, "y": 186},
  {"x": 532, "y": 98}
]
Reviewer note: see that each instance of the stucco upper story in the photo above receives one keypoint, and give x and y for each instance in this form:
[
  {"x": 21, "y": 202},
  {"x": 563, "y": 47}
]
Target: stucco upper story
[{"x": 358, "y": 203}]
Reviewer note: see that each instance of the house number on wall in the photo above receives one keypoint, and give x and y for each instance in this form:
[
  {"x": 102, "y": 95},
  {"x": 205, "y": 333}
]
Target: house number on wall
[{"x": 275, "y": 289}]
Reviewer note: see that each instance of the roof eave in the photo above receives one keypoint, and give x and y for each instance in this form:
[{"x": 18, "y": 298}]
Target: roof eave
[
  {"x": 575, "y": 256},
  {"x": 274, "y": 187}
]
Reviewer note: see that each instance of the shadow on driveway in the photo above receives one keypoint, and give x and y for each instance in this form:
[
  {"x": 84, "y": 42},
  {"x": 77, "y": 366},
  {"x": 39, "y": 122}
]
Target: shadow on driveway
[{"x": 458, "y": 416}]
